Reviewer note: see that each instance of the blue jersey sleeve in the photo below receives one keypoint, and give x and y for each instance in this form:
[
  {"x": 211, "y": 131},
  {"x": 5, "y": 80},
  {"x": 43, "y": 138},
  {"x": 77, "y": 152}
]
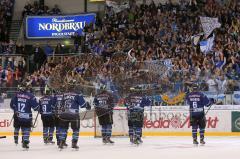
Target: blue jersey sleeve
[
  {"x": 146, "y": 101},
  {"x": 206, "y": 101},
  {"x": 81, "y": 101},
  {"x": 13, "y": 103}
]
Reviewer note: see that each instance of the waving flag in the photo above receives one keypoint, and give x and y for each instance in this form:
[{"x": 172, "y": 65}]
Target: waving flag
[{"x": 209, "y": 24}]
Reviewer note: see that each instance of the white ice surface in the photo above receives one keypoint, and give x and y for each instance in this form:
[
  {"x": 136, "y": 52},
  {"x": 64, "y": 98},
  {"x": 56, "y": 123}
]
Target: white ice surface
[{"x": 152, "y": 148}]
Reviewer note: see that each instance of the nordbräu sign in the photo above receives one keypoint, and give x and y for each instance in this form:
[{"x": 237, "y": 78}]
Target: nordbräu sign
[{"x": 57, "y": 26}]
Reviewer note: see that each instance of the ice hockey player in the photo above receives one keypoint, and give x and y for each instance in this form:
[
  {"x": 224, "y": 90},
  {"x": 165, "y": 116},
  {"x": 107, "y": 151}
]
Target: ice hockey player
[
  {"x": 104, "y": 103},
  {"x": 69, "y": 114},
  {"x": 21, "y": 104},
  {"x": 197, "y": 100},
  {"x": 47, "y": 107},
  {"x": 58, "y": 104},
  {"x": 135, "y": 102}
]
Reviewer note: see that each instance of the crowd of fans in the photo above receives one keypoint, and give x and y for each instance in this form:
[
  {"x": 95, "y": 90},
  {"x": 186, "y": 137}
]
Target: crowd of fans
[
  {"x": 39, "y": 9},
  {"x": 6, "y": 7},
  {"x": 121, "y": 46}
]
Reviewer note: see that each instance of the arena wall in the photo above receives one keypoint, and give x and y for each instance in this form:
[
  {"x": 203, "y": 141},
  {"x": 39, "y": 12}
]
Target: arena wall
[{"x": 159, "y": 121}]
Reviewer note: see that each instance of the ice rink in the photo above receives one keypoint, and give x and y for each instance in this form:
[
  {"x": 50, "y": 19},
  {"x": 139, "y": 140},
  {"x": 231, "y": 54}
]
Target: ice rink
[{"x": 153, "y": 147}]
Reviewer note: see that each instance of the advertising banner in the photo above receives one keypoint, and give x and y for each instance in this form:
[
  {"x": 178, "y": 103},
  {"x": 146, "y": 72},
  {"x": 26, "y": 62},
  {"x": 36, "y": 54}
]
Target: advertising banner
[
  {"x": 235, "y": 121},
  {"x": 38, "y": 27}
]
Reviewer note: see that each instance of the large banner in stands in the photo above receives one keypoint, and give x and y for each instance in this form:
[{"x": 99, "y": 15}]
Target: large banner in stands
[{"x": 38, "y": 27}]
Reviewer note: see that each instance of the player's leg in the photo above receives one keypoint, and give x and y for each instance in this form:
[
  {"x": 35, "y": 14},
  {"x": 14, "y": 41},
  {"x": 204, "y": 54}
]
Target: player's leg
[
  {"x": 141, "y": 117},
  {"x": 202, "y": 126},
  {"x": 75, "y": 125},
  {"x": 56, "y": 121},
  {"x": 45, "y": 129},
  {"x": 16, "y": 129},
  {"x": 194, "y": 123},
  {"x": 51, "y": 129},
  {"x": 130, "y": 127},
  {"x": 26, "y": 128},
  {"x": 63, "y": 129},
  {"x": 109, "y": 133},
  {"x": 138, "y": 123},
  {"x": 109, "y": 122},
  {"x": 101, "y": 119}
]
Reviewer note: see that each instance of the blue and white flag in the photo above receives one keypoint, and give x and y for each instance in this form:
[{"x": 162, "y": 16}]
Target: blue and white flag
[
  {"x": 207, "y": 45},
  {"x": 209, "y": 24}
]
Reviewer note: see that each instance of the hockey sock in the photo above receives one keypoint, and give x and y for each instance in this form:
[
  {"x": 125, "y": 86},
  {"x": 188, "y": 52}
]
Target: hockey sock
[
  {"x": 51, "y": 131},
  {"x": 16, "y": 134},
  {"x": 26, "y": 134},
  {"x": 109, "y": 130},
  {"x": 194, "y": 131},
  {"x": 62, "y": 134},
  {"x": 104, "y": 131},
  {"x": 138, "y": 132},
  {"x": 130, "y": 131},
  {"x": 75, "y": 135},
  {"x": 57, "y": 133},
  {"x": 45, "y": 133},
  {"x": 202, "y": 131}
]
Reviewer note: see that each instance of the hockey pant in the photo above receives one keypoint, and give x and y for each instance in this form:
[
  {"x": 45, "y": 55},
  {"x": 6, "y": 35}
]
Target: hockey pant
[
  {"x": 135, "y": 123},
  {"x": 198, "y": 122},
  {"x": 64, "y": 125},
  {"x": 48, "y": 127},
  {"x": 25, "y": 126}
]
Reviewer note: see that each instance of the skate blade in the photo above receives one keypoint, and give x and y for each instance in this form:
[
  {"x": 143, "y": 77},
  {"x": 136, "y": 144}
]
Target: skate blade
[
  {"x": 25, "y": 149},
  {"x": 60, "y": 149},
  {"x": 202, "y": 144},
  {"x": 195, "y": 145},
  {"x": 75, "y": 149}
]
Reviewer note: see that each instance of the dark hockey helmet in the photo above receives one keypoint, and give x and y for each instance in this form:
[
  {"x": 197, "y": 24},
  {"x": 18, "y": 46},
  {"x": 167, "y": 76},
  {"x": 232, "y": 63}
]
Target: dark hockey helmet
[
  {"x": 23, "y": 86},
  {"x": 103, "y": 87},
  {"x": 47, "y": 90},
  {"x": 195, "y": 87}
]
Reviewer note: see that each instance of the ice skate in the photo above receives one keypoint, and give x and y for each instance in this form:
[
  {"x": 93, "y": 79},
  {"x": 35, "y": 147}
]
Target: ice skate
[
  {"x": 202, "y": 142},
  {"x": 104, "y": 140},
  {"x": 25, "y": 145},
  {"x": 75, "y": 146},
  {"x": 195, "y": 142},
  {"x": 109, "y": 140}
]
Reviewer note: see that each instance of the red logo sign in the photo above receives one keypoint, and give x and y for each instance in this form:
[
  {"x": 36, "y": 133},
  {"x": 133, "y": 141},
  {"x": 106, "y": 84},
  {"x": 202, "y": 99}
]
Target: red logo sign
[
  {"x": 176, "y": 122},
  {"x": 4, "y": 123}
]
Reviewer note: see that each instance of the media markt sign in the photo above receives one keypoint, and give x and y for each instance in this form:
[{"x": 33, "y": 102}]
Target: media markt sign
[{"x": 235, "y": 121}]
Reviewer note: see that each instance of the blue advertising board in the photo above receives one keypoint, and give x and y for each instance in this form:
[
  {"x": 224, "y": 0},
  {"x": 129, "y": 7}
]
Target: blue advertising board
[{"x": 38, "y": 27}]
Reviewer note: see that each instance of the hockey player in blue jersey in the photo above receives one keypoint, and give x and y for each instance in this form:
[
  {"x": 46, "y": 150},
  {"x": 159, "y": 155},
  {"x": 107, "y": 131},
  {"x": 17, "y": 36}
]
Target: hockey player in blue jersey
[
  {"x": 47, "y": 107},
  {"x": 21, "y": 104},
  {"x": 135, "y": 103},
  {"x": 58, "y": 97},
  {"x": 104, "y": 103},
  {"x": 69, "y": 114},
  {"x": 197, "y": 101}
]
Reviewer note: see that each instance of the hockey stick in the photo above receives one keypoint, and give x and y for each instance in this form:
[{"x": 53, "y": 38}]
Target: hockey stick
[
  {"x": 3, "y": 137},
  {"x": 35, "y": 121},
  {"x": 208, "y": 110},
  {"x": 11, "y": 119}
]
